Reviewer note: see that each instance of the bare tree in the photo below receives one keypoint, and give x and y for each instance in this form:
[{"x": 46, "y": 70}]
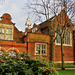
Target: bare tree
[
  {"x": 49, "y": 8},
  {"x": 68, "y": 7}
]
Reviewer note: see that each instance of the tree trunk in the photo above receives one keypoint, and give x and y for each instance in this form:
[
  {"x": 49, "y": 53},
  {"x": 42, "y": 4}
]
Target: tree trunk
[
  {"x": 52, "y": 49},
  {"x": 62, "y": 54}
]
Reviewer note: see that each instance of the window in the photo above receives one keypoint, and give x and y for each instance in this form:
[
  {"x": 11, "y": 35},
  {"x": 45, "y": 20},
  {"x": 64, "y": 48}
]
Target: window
[
  {"x": 8, "y": 34},
  {"x": 2, "y": 33},
  {"x": 34, "y": 30},
  {"x": 1, "y": 52},
  {"x": 67, "y": 39},
  {"x": 40, "y": 49},
  {"x": 12, "y": 53},
  {"x": 5, "y": 33}
]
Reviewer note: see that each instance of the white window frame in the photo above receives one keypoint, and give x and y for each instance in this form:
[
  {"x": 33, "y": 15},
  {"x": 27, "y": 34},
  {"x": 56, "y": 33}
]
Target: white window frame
[
  {"x": 41, "y": 49},
  {"x": 63, "y": 43},
  {"x": 5, "y": 29}
]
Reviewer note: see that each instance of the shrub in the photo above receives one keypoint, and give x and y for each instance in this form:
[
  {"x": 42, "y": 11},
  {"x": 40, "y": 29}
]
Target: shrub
[{"x": 22, "y": 64}]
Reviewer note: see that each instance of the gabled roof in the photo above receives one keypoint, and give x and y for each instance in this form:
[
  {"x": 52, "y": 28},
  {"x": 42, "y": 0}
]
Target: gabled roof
[
  {"x": 62, "y": 14},
  {"x": 45, "y": 23}
]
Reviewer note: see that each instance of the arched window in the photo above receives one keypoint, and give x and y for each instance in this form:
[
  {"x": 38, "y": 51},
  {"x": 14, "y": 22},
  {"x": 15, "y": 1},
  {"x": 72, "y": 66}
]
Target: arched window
[
  {"x": 12, "y": 53},
  {"x": 1, "y": 52}
]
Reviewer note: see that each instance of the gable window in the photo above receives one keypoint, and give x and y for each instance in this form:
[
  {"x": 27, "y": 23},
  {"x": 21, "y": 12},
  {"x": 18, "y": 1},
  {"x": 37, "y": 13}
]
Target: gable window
[
  {"x": 8, "y": 34},
  {"x": 1, "y": 33},
  {"x": 40, "y": 49},
  {"x": 67, "y": 40}
]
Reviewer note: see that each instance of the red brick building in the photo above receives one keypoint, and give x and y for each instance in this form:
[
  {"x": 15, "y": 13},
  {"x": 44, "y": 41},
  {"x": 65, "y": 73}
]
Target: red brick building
[{"x": 36, "y": 40}]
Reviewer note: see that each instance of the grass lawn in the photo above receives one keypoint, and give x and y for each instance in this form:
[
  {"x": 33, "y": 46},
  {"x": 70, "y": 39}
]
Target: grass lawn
[
  {"x": 66, "y": 65},
  {"x": 66, "y": 72}
]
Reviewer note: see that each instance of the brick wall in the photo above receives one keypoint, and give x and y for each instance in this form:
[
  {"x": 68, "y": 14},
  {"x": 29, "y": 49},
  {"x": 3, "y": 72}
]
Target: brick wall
[
  {"x": 6, "y": 46},
  {"x": 17, "y": 36},
  {"x": 31, "y": 50},
  {"x": 69, "y": 52}
]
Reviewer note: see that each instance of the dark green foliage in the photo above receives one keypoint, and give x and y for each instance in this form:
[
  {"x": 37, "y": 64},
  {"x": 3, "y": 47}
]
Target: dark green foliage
[{"x": 22, "y": 64}]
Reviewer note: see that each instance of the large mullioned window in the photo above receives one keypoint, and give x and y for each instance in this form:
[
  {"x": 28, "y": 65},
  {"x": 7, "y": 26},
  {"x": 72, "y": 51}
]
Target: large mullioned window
[
  {"x": 67, "y": 39},
  {"x": 40, "y": 49},
  {"x": 5, "y": 33}
]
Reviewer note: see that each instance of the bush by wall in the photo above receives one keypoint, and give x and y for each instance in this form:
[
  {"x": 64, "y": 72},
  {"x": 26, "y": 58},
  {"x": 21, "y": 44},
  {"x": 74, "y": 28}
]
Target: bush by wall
[{"x": 22, "y": 64}]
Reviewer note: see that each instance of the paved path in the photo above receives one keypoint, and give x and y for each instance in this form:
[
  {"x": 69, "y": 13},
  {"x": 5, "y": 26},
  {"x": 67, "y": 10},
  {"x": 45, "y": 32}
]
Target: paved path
[{"x": 66, "y": 68}]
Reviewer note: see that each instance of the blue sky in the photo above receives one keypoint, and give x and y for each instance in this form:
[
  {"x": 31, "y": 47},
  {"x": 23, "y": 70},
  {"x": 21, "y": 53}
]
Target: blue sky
[{"x": 16, "y": 8}]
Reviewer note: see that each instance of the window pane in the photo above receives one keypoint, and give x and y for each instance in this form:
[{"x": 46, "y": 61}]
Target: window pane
[
  {"x": 58, "y": 40},
  {"x": 2, "y": 37},
  {"x": 7, "y": 31},
  {"x": 9, "y": 38},
  {"x": 44, "y": 51},
  {"x": 37, "y": 46},
  {"x": 2, "y": 30},
  {"x": 10, "y": 31},
  {"x": 12, "y": 53},
  {"x": 44, "y": 46},
  {"x": 1, "y": 52},
  {"x": 8, "y": 34}
]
